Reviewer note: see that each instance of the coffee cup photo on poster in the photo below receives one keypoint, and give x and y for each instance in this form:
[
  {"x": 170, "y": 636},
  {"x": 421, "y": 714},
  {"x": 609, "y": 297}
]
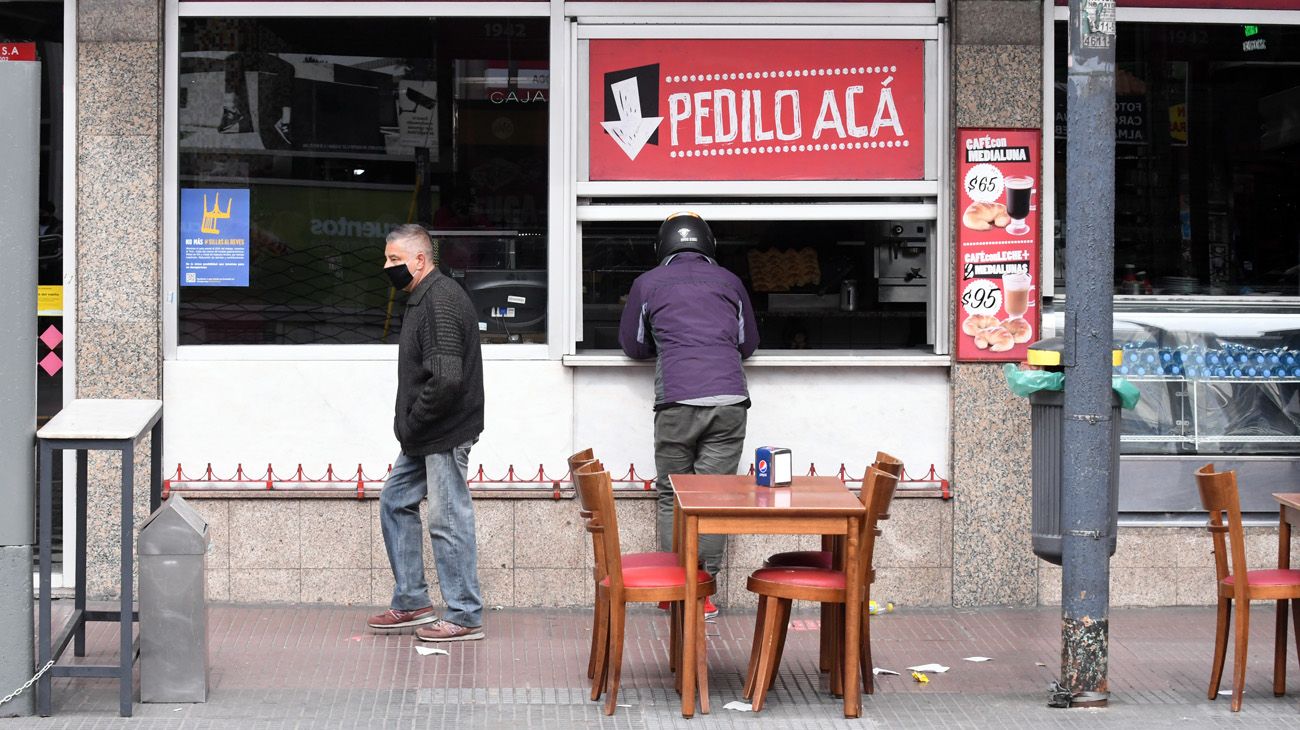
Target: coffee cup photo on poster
[
  {"x": 1016, "y": 300},
  {"x": 1019, "y": 189}
]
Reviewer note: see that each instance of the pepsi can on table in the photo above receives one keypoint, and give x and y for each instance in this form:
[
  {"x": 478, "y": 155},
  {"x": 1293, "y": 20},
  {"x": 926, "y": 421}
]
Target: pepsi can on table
[{"x": 773, "y": 466}]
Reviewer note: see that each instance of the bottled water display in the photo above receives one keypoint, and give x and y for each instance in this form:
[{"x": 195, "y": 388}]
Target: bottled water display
[{"x": 1228, "y": 360}]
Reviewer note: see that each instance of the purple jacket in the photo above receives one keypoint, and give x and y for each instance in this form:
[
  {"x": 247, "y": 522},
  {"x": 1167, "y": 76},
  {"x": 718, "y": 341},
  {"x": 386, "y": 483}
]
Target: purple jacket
[{"x": 696, "y": 316}]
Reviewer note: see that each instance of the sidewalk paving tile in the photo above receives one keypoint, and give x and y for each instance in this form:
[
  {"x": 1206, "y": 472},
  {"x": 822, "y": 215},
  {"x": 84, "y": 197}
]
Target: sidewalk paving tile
[{"x": 281, "y": 666}]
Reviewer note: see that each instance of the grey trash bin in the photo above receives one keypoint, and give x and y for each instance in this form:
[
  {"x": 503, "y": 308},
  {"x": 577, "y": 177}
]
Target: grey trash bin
[
  {"x": 173, "y": 548},
  {"x": 1047, "y": 414}
]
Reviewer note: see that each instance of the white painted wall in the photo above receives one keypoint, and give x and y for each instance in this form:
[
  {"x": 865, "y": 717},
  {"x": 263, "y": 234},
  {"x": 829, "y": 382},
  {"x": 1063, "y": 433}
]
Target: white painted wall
[
  {"x": 826, "y": 416},
  {"x": 340, "y": 412}
]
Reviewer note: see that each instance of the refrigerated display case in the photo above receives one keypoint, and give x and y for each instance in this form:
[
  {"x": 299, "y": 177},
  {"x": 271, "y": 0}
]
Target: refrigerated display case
[{"x": 1220, "y": 383}]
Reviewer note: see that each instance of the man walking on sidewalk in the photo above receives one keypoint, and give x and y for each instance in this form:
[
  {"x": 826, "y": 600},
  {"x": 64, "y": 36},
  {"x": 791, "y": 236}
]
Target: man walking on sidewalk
[
  {"x": 695, "y": 316},
  {"x": 439, "y": 417}
]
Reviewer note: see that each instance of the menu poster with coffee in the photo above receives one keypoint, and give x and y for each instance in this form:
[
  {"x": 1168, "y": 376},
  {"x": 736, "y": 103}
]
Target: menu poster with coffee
[{"x": 997, "y": 243}]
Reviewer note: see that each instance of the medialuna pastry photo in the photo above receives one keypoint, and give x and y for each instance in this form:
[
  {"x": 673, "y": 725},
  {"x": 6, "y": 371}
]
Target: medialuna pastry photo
[{"x": 985, "y": 216}]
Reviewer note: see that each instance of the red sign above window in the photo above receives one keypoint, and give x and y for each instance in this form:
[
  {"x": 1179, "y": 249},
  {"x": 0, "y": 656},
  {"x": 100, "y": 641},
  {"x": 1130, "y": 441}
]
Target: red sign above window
[
  {"x": 17, "y": 51},
  {"x": 757, "y": 109}
]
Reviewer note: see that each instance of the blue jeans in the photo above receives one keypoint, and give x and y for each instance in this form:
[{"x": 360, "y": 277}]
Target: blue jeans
[{"x": 442, "y": 476}]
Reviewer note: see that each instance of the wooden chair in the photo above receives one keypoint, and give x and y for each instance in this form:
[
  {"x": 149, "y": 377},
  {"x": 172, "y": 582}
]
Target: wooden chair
[
  {"x": 778, "y": 587},
  {"x": 1219, "y": 497},
  {"x": 577, "y": 461},
  {"x": 585, "y": 460},
  {"x": 623, "y": 584},
  {"x": 825, "y": 558}
]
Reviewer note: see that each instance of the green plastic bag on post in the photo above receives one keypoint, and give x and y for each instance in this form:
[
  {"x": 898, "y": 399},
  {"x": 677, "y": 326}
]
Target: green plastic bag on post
[
  {"x": 1024, "y": 382},
  {"x": 1128, "y": 392}
]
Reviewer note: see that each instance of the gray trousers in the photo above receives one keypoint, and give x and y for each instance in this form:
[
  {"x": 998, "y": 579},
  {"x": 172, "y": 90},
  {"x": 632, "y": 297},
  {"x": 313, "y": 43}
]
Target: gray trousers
[{"x": 696, "y": 440}]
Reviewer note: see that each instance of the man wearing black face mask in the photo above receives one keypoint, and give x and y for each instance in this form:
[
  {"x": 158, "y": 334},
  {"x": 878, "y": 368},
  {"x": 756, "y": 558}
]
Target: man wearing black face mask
[{"x": 439, "y": 416}]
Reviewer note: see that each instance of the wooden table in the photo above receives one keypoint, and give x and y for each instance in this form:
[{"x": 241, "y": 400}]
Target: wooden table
[
  {"x": 1288, "y": 516},
  {"x": 734, "y": 505}
]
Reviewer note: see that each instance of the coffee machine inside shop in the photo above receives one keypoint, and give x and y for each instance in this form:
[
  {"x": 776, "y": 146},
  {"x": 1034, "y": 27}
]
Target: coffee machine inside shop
[
  {"x": 871, "y": 288},
  {"x": 901, "y": 262}
]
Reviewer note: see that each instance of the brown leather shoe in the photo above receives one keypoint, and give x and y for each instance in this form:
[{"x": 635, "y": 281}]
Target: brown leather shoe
[
  {"x": 395, "y": 619},
  {"x": 447, "y": 631}
]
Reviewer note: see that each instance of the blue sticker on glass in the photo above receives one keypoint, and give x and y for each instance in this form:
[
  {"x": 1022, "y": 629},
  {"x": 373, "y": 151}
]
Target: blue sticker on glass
[{"x": 214, "y": 237}]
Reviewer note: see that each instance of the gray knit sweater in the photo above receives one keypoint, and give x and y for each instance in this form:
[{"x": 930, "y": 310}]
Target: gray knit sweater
[{"x": 439, "y": 370}]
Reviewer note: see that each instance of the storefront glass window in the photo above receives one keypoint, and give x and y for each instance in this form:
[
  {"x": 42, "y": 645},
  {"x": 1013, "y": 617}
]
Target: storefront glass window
[
  {"x": 1207, "y": 147},
  {"x": 815, "y": 285},
  {"x": 329, "y": 132}
]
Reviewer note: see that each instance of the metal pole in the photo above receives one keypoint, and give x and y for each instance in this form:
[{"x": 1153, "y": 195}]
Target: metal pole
[
  {"x": 1089, "y": 263},
  {"x": 19, "y": 178}
]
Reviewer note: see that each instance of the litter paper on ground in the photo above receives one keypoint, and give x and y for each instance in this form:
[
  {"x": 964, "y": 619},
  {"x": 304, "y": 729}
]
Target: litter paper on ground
[
  {"x": 885, "y": 672},
  {"x": 738, "y": 706},
  {"x": 978, "y": 659},
  {"x": 427, "y": 650},
  {"x": 936, "y": 668}
]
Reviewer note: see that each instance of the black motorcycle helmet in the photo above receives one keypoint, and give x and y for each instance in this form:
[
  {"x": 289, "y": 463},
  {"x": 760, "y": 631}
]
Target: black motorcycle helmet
[{"x": 684, "y": 232}]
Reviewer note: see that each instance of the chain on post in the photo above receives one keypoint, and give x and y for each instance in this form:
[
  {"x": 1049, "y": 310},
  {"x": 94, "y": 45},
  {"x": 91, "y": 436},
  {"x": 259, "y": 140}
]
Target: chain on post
[{"x": 28, "y": 684}]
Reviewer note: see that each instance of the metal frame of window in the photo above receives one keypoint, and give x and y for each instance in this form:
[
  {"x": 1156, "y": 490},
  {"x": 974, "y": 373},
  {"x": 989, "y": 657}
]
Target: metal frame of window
[
  {"x": 175, "y": 10},
  {"x": 67, "y": 578},
  {"x": 1051, "y": 15},
  {"x": 743, "y": 13},
  {"x": 571, "y": 22},
  {"x": 931, "y": 196},
  {"x": 1058, "y": 13}
]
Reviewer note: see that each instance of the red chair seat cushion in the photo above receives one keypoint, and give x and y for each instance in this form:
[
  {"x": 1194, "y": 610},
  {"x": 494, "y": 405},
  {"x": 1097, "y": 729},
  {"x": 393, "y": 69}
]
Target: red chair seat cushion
[
  {"x": 657, "y": 576},
  {"x": 810, "y": 577},
  {"x": 800, "y": 559},
  {"x": 641, "y": 560},
  {"x": 1273, "y": 577}
]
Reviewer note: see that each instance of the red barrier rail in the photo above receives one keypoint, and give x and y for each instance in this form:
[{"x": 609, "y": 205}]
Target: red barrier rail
[{"x": 358, "y": 480}]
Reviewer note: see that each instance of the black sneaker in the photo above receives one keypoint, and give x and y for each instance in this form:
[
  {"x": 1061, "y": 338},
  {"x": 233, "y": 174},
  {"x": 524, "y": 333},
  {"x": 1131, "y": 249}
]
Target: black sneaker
[{"x": 233, "y": 121}]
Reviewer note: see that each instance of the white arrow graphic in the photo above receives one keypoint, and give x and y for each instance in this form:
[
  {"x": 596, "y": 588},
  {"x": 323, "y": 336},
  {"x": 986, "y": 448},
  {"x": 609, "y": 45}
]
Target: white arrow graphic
[{"x": 632, "y": 130}]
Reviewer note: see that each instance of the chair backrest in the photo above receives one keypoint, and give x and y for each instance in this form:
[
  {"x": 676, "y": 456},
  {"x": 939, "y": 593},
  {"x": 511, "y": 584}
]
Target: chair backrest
[
  {"x": 588, "y": 486},
  {"x": 878, "y": 489},
  {"x": 598, "y": 489},
  {"x": 580, "y": 458},
  {"x": 889, "y": 464},
  {"x": 1219, "y": 497},
  {"x": 591, "y": 465},
  {"x": 577, "y": 461}
]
